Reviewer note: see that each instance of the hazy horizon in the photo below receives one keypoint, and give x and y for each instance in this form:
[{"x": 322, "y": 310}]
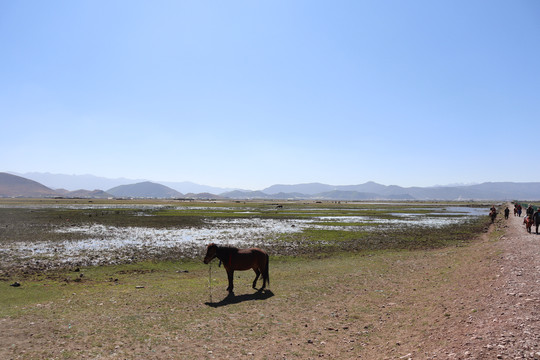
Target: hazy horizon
[{"x": 127, "y": 181}]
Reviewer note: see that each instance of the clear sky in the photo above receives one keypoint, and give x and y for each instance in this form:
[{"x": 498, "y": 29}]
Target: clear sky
[{"x": 249, "y": 94}]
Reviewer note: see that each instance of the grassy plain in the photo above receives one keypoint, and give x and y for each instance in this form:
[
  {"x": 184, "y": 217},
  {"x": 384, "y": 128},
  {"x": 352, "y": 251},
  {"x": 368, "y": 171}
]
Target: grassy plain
[{"x": 340, "y": 294}]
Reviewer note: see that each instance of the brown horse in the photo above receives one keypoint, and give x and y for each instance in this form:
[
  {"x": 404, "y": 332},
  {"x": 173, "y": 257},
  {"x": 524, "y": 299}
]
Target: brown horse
[
  {"x": 528, "y": 221},
  {"x": 240, "y": 259}
]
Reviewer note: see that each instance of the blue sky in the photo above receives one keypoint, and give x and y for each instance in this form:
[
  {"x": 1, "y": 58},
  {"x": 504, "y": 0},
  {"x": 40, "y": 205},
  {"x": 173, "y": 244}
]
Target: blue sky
[{"x": 253, "y": 93}]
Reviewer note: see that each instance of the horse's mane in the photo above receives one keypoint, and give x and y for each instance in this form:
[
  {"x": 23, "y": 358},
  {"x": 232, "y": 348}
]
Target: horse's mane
[{"x": 228, "y": 248}]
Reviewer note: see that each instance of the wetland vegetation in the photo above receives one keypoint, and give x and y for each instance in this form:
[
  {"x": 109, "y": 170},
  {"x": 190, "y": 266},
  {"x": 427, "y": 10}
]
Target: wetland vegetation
[{"x": 43, "y": 234}]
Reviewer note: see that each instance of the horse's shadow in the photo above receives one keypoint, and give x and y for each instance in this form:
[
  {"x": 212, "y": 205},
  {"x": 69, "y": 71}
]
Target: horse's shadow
[{"x": 235, "y": 299}]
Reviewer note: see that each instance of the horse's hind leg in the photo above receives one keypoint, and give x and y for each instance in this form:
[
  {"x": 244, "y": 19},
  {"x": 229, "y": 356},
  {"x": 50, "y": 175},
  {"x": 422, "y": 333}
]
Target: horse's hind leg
[
  {"x": 230, "y": 275},
  {"x": 264, "y": 276},
  {"x": 257, "y": 273}
]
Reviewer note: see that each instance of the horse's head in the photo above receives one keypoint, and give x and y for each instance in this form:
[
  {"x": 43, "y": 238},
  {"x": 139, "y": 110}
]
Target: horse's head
[{"x": 211, "y": 252}]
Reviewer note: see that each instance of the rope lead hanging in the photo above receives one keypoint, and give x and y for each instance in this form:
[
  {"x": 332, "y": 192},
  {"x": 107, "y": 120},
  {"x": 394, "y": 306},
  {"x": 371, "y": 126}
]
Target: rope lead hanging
[{"x": 210, "y": 281}]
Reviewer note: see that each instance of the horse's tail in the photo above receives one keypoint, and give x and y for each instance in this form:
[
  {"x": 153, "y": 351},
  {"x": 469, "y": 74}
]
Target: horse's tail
[{"x": 266, "y": 274}]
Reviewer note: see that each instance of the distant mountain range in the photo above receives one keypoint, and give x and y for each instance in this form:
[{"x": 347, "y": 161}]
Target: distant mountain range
[
  {"x": 12, "y": 185},
  {"x": 76, "y": 182}
]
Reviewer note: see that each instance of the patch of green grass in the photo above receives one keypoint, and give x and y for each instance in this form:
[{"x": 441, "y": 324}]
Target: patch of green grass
[
  {"x": 15, "y": 300},
  {"x": 116, "y": 280}
]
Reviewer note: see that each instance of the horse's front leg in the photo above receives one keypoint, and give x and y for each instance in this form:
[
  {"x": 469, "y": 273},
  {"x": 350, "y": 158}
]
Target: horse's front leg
[
  {"x": 230, "y": 275},
  {"x": 257, "y": 273}
]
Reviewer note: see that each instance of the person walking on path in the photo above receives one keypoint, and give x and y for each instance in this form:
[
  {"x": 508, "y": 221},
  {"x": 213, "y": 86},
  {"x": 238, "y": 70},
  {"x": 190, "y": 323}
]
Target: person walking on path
[
  {"x": 536, "y": 219},
  {"x": 506, "y": 213},
  {"x": 530, "y": 211}
]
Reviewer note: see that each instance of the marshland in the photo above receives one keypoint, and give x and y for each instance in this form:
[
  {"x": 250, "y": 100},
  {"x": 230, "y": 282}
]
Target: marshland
[{"x": 45, "y": 234}]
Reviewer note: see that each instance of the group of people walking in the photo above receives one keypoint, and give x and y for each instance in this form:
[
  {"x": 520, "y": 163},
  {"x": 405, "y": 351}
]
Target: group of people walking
[{"x": 532, "y": 216}]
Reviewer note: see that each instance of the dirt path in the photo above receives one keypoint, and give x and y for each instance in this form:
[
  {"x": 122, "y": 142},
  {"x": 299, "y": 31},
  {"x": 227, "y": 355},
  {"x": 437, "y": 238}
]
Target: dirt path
[{"x": 505, "y": 322}]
